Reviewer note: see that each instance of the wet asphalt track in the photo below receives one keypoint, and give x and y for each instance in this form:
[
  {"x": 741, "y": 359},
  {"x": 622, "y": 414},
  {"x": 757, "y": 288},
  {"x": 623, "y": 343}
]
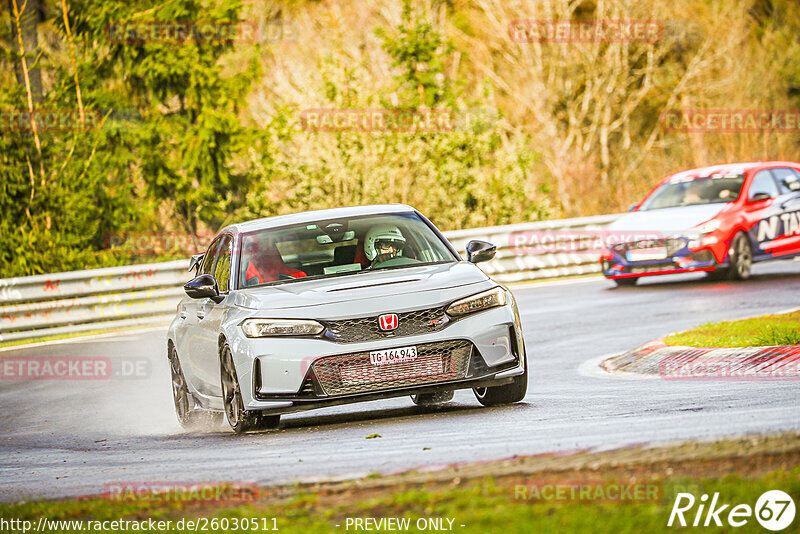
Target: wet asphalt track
[{"x": 61, "y": 438}]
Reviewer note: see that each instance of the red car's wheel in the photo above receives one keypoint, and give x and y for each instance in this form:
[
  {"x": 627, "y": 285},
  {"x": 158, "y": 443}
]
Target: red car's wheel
[{"x": 740, "y": 260}]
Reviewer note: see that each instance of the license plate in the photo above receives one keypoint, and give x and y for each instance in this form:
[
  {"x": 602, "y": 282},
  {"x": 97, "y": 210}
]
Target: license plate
[
  {"x": 384, "y": 357},
  {"x": 648, "y": 254}
]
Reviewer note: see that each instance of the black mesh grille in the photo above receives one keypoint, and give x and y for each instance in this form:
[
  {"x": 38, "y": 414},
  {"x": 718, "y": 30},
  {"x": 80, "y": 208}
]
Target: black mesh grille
[
  {"x": 353, "y": 373},
  {"x": 364, "y": 329},
  {"x": 653, "y": 267}
]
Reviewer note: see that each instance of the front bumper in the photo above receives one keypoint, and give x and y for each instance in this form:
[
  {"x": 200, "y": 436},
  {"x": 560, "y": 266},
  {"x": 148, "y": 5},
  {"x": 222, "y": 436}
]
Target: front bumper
[
  {"x": 290, "y": 404},
  {"x": 282, "y": 375},
  {"x": 616, "y": 263}
]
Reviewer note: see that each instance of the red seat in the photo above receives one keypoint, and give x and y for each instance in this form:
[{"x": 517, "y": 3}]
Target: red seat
[
  {"x": 360, "y": 256},
  {"x": 266, "y": 265}
]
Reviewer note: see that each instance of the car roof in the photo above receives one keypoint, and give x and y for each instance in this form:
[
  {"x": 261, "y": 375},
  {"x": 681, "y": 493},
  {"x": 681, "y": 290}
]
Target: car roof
[
  {"x": 316, "y": 215},
  {"x": 727, "y": 169}
]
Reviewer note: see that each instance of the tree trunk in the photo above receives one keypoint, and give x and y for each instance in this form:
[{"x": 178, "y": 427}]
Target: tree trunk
[{"x": 30, "y": 18}]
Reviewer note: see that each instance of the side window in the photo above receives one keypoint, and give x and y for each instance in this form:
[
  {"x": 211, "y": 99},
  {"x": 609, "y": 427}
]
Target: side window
[
  {"x": 208, "y": 258},
  {"x": 222, "y": 270},
  {"x": 788, "y": 180},
  {"x": 763, "y": 183}
]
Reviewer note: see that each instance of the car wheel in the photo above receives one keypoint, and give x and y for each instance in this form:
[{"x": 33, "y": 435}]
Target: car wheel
[
  {"x": 240, "y": 419},
  {"x": 740, "y": 258},
  {"x": 432, "y": 399},
  {"x": 189, "y": 415},
  {"x": 626, "y": 282},
  {"x": 184, "y": 402},
  {"x": 508, "y": 394}
]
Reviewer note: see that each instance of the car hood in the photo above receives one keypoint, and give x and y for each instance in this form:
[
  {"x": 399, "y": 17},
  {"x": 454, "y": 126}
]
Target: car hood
[
  {"x": 368, "y": 292},
  {"x": 667, "y": 220}
]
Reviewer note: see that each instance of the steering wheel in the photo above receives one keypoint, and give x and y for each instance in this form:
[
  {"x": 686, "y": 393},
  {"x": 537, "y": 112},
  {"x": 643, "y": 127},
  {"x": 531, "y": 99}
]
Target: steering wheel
[{"x": 391, "y": 262}]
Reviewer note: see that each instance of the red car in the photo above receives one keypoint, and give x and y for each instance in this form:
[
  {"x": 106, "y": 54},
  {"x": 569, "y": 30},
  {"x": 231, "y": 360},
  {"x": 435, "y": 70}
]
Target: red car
[{"x": 717, "y": 219}]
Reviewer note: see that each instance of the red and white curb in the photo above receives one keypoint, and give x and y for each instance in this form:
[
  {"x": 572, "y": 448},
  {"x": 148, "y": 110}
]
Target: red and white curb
[{"x": 656, "y": 359}]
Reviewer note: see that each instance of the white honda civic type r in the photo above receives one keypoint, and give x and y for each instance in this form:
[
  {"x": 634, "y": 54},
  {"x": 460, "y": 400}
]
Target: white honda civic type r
[{"x": 328, "y": 307}]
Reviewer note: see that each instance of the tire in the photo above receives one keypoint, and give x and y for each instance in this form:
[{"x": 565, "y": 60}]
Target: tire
[
  {"x": 626, "y": 282},
  {"x": 507, "y": 394},
  {"x": 432, "y": 399},
  {"x": 240, "y": 419},
  {"x": 740, "y": 258},
  {"x": 189, "y": 415}
]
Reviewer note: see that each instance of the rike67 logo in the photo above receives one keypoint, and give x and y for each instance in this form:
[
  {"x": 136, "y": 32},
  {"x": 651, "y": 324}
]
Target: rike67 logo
[{"x": 774, "y": 510}]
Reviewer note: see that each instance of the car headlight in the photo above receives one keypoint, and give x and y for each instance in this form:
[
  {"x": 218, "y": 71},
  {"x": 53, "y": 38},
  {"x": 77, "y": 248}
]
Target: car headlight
[
  {"x": 281, "y": 327},
  {"x": 698, "y": 231},
  {"x": 480, "y": 301}
]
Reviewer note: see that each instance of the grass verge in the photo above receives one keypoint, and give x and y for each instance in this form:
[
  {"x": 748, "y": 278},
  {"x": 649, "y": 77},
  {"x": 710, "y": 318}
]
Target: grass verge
[
  {"x": 508, "y": 496},
  {"x": 762, "y": 331}
]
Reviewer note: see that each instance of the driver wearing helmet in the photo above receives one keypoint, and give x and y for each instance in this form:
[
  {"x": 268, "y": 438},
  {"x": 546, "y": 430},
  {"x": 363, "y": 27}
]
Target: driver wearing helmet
[
  {"x": 383, "y": 242},
  {"x": 695, "y": 193}
]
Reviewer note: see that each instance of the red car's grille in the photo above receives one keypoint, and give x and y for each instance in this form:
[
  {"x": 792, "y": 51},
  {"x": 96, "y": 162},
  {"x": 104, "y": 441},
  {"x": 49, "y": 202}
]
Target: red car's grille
[
  {"x": 673, "y": 245},
  {"x": 348, "y": 374}
]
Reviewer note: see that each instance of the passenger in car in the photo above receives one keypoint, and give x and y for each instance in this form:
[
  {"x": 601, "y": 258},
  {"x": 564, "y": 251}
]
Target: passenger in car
[
  {"x": 726, "y": 194},
  {"x": 696, "y": 193}
]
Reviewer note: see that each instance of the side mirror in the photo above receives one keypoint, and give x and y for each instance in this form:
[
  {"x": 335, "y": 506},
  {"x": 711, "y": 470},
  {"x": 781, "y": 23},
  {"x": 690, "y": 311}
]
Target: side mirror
[
  {"x": 204, "y": 286},
  {"x": 760, "y": 196},
  {"x": 794, "y": 186},
  {"x": 478, "y": 251}
]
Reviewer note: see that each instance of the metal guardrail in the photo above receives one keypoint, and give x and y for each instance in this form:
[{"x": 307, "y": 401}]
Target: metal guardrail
[
  {"x": 97, "y": 299},
  {"x": 115, "y": 297},
  {"x": 513, "y": 262}
]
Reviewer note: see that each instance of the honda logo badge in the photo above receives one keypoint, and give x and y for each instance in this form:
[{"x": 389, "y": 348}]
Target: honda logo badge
[{"x": 388, "y": 321}]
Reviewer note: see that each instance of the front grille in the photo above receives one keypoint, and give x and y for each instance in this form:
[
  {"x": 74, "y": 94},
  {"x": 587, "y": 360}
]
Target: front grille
[
  {"x": 653, "y": 267},
  {"x": 348, "y": 374},
  {"x": 364, "y": 329},
  {"x": 673, "y": 245}
]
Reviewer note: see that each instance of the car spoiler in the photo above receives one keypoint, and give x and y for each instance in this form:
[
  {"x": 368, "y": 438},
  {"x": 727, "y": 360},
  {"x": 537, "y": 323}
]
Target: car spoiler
[{"x": 195, "y": 261}]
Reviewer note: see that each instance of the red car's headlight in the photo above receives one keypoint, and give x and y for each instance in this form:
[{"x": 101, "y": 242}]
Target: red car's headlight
[
  {"x": 698, "y": 236},
  {"x": 699, "y": 231}
]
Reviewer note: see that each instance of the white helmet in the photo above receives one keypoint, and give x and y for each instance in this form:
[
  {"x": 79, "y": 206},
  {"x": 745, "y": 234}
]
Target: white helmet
[{"x": 382, "y": 232}]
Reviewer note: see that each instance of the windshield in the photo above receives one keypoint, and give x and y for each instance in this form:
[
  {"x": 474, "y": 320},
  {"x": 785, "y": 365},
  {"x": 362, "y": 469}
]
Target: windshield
[
  {"x": 338, "y": 247},
  {"x": 711, "y": 190}
]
